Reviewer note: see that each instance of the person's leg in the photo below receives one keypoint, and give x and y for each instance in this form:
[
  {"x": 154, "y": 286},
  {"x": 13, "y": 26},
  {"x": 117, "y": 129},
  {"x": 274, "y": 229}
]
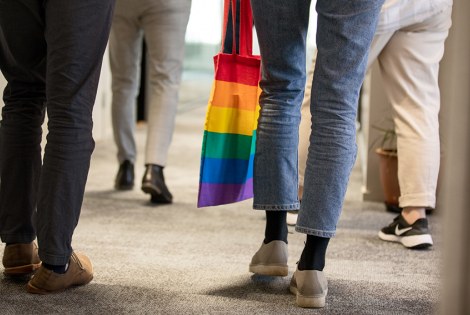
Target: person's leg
[
  {"x": 378, "y": 43},
  {"x": 339, "y": 71},
  {"x": 376, "y": 47},
  {"x": 345, "y": 30},
  {"x": 281, "y": 29},
  {"x": 125, "y": 54},
  {"x": 410, "y": 68},
  {"x": 76, "y": 34},
  {"x": 23, "y": 63},
  {"x": 164, "y": 25},
  {"x": 305, "y": 128}
]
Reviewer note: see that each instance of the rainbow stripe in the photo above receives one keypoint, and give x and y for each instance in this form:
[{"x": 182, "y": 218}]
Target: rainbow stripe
[{"x": 228, "y": 147}]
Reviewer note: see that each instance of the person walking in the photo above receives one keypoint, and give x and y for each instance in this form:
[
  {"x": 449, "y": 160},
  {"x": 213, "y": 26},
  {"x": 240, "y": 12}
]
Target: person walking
[
  {"x": 163, "y": 26},
  {"x": 50, "y": 54},
  {"x": 344, "y": 33}
]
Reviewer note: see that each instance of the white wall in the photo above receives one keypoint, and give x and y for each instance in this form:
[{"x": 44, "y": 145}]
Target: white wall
[{"x": 455, "y": 83}]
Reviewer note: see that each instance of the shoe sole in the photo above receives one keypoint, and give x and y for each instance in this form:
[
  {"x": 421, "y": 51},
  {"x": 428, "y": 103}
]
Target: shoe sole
[
  {"x": 34, "y": 290},
  {"x": 274, "y": 271},
  {"x": 155, "y": 193},
  {"x": 308, "y": 301},
  {"x": 21, "y": 270},
  {"x": 124, "y": 187},
  {"x": 412, "y": 242}
]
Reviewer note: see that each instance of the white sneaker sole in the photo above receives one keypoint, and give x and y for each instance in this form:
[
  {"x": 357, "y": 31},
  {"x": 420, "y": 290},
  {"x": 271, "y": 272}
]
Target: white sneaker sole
[
  {"x": 414, "y": 241},
  {"x": 270, "y": 270}
]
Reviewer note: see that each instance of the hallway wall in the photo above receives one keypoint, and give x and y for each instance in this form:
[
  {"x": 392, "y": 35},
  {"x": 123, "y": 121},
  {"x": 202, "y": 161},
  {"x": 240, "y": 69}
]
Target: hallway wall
[{"x": 456, "y": 181}]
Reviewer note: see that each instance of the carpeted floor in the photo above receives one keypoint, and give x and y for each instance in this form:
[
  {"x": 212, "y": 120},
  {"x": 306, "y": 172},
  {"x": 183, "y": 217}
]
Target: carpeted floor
[{"x": 178, "y": 259}]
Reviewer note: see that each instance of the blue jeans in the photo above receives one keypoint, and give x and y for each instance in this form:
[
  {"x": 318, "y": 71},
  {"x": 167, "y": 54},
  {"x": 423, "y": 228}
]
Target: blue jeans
[
  {"x": 344, "y": 33},
  {"x": 50, "y": 54}
]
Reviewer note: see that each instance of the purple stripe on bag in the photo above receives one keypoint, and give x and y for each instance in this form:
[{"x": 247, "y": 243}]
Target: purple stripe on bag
[{"x": 220, "y": 194}]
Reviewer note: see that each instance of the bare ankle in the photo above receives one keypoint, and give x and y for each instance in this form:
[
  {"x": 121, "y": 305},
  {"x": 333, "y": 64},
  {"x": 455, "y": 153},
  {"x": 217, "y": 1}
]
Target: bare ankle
[{"x": 411, "y": 214}]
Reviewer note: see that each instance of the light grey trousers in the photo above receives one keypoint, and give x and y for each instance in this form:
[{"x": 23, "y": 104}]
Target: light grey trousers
[{"x": 163, "y": 25}]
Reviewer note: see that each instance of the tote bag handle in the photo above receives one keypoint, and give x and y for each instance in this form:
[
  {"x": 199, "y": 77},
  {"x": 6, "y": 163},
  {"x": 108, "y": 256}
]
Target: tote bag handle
[{"x": 244, "y": 29}]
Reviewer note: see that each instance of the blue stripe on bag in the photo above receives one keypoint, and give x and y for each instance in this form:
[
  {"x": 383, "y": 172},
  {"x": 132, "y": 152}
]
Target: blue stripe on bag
[{"x": 235, "y": 171}]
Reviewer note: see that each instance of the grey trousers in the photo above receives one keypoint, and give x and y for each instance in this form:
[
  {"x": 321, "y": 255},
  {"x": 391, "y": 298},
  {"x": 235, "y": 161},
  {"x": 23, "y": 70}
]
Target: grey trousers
[
  {"x": 50, "y": 54},
  {"x": 163, "y": 25}
]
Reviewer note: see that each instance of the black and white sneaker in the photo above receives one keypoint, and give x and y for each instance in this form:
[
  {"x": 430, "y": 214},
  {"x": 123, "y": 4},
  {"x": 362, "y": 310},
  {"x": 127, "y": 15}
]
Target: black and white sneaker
[{"x": 414, "y": 236}]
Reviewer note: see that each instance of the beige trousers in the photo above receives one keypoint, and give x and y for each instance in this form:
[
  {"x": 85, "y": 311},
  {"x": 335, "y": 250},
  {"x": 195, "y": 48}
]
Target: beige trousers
[
  {"x": 163, "y": 25},
  {"x": 409, "y": 62}
]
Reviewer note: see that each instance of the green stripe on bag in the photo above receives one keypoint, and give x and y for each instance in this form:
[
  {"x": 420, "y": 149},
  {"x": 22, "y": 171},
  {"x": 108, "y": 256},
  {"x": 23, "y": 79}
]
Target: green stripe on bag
[{"x": 228, "y": 146}]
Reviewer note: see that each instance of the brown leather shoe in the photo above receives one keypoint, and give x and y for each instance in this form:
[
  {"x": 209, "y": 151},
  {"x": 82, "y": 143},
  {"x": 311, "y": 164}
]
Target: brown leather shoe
[
  {"x": 79, "y": 272},
  {"x": 20, "y": 259}
]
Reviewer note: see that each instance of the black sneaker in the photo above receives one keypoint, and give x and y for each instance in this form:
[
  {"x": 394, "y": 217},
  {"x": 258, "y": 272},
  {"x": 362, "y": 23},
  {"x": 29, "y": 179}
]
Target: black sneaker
[{"x": 414, "y": 236}]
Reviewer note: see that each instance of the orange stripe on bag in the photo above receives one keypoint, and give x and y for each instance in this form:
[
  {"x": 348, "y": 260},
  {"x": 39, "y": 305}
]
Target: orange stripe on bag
[{"x": 235, "y": 95}]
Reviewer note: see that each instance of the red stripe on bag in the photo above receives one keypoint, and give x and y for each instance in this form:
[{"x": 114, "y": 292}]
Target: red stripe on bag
[{"x": 239, "y": 69}]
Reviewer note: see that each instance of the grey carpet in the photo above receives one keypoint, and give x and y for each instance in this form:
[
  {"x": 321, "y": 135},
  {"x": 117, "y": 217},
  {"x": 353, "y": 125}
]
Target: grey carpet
[{"x": 178, "y": 259}]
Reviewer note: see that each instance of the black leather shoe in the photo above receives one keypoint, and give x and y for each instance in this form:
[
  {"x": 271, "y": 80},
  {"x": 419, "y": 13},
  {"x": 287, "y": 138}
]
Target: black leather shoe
[
  {"x": 125, "y": 176},
  {"x": 153, "y": 183}
]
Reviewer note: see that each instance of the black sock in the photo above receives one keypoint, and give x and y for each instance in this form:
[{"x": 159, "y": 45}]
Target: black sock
[
  {"x": 56, "y": 268},
  {"x": 313, "y": 255},
  {"x": 276, "y": 226}
]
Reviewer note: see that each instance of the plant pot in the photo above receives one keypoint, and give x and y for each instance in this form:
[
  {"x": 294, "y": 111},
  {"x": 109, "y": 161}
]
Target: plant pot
[{"x": 389, "y": 178}]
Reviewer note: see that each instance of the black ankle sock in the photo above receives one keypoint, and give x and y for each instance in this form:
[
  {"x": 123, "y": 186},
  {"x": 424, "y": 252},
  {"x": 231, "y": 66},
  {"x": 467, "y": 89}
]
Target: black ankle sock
[
  {"x": 313, "y": 255},
  {"x": 276, "y": 226},
  {"x": 56, "y": 268}
]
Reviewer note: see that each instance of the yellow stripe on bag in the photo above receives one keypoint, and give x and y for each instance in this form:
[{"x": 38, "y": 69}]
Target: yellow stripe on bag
[
  {"x": 229, "y": 120},
  {"x": 235, "y": 95}
]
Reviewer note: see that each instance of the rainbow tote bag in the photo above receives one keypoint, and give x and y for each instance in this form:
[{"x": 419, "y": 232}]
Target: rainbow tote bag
[{"x": 226, "y": 172}]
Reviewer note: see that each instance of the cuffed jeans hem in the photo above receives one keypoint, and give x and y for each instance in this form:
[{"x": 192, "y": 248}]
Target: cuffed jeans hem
[
  {"x": 294, "y": 206},
  {"x": 17, "y": 238},
  {"x": 319, "y": 233},
  {"x": 418, "y": 200},
  {"x": 54, "y": 259}
]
